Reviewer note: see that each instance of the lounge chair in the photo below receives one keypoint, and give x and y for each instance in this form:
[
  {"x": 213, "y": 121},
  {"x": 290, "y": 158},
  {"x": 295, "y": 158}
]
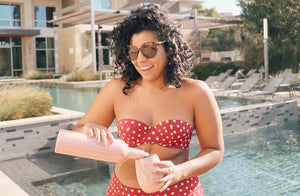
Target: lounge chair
[
  {"x": 269, "y": 89},
  {"x": 288, "y": 82},
  {"x": 239, "y": 74},
  {"x": 210, "y": 80},
  {"x": 250, "y": 72},
  {"x": 221, "y": 77},
  {"x": 226, "y": 84},
  {"x": 286, "y": 71},
  {"x": 288, "y": 79},
  {"x": 246, "y": 86}
]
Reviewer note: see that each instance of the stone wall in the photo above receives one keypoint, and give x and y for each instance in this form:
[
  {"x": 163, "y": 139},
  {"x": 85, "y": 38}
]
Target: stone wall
[
  {"x": 24, "y": 137},
  {"x": 242, "y": 119}
]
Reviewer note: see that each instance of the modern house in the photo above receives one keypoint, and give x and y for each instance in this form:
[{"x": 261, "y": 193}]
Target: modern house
[
  {"x": 56, "y": 35},
  {"x": 26, "y": 39}
]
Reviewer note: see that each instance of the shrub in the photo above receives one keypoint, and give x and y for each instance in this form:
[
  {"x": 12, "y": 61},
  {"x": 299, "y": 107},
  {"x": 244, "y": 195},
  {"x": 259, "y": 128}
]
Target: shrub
[
  {"x": 201, "y": 71},
  {"x": 23, "y": 102},
  {"x": 83, "y": 76},
  {"x": 38, "y": 75}
]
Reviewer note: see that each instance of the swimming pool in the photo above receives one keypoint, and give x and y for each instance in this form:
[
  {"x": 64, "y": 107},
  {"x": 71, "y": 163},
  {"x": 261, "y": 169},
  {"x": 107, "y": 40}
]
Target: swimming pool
[
  {"x": 261, "y": 162},
  {"x": 80, "y": 99}
]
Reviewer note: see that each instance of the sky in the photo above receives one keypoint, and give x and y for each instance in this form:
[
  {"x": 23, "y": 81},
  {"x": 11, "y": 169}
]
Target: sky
[{"x": 223, "y": 6}]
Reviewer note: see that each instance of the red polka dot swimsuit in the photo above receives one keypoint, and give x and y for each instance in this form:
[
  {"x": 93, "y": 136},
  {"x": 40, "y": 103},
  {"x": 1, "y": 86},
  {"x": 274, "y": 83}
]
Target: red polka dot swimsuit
[{"x": 169, "y": 133}]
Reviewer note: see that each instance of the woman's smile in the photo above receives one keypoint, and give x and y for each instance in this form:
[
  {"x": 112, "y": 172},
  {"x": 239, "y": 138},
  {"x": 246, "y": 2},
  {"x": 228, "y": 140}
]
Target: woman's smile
[{"x": 145, "y": 68}]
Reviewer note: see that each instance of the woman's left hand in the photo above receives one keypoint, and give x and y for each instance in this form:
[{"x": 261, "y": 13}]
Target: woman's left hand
[{"x": 170, "y": 172}]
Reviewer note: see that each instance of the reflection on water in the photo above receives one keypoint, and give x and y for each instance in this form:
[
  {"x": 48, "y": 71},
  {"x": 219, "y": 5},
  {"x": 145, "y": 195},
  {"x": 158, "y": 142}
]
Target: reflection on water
[
  {"x": 231, "y": 102},
  {"x": 73, "y": 99},
  {"x": 262, "y": 162},
  {"x": 80, "y": 99}
]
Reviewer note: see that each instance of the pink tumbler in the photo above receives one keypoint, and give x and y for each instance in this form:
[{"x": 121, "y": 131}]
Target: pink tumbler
[
  {"x": 145, "y": 172},
  {"x": 78, "y": 144}
]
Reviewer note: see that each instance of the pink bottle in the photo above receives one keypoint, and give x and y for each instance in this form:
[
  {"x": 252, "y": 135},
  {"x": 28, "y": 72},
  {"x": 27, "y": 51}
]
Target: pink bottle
[{"x": 78, "y": 144}]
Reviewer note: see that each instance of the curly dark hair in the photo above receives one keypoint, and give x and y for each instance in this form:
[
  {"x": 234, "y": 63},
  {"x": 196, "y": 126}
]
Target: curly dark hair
[{"x": 149, "y": 17}]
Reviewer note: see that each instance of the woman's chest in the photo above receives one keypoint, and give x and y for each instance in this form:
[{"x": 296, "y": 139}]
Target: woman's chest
[{"x": 154, "y": 108}]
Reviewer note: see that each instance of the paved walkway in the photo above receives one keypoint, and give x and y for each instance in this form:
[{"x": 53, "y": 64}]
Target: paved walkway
[{"x": 22, "y": 172}]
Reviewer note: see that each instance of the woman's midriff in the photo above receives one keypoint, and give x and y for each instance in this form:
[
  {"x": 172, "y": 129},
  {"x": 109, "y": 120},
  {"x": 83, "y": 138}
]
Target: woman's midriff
[{"x": 125, "y": 171}]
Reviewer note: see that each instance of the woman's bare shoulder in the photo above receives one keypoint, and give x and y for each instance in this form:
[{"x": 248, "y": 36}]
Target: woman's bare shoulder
[
  {"x": 195, "y": 86},
  {"x": 113, "y": 85}
]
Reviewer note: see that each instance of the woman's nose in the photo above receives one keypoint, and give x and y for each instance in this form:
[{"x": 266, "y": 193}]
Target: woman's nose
[{"x": 141, "y": 57}]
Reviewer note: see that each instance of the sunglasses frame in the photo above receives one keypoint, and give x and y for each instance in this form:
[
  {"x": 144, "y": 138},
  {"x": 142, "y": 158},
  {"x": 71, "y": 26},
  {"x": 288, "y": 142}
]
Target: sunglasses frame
[{"x": 142, "y": 47}]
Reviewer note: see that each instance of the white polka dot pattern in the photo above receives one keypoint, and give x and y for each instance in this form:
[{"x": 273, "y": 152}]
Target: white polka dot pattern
[
  {"x": 189, "y": 187},
  {"x": 169, "y": 133}
]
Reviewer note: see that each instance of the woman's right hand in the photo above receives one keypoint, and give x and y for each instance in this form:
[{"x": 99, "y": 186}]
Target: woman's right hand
[{"x": 99, "y": 133}]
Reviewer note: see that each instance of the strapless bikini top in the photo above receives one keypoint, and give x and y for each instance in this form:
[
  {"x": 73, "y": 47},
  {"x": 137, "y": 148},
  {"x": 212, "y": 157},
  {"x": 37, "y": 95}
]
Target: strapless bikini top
[{"x": 169, "y": 133}]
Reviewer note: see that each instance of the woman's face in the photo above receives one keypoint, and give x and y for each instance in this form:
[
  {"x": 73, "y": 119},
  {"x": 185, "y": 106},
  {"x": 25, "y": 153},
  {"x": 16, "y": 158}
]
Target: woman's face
[{"x": 149, "y": 68}]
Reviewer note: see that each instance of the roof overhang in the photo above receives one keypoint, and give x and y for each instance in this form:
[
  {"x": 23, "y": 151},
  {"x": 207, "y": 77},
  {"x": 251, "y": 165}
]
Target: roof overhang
[
  {"x": 81, "y": 14},
  {"x": 19, "y": 32}
]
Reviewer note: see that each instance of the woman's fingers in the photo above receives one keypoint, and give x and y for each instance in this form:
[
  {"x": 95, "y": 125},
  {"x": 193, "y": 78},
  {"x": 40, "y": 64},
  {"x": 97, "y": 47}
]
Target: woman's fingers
[
  {"x": 169, "y": 172},
  {"x": 110, "y": 137},
  {"x": 100, "y": 134},
  {"x": 167, "y": 180},
  {"x": 103, "y": 138},
  {"x": 91, "y": 133}
]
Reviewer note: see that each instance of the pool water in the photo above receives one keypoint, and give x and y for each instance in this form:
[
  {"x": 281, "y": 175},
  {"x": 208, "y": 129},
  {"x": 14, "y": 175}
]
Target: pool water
[
  {"x": 80, "y": 99},
  {"x": 261, "y": 162}
]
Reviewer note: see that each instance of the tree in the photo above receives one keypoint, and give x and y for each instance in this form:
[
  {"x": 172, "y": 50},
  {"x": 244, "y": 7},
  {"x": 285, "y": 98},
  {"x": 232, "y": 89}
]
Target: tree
[
  {"x": 206, "y": 12},
  {"x": 222, "y": 39},
  {"x": 283, "y": 29},
  {"x": 219, "y": 39}
]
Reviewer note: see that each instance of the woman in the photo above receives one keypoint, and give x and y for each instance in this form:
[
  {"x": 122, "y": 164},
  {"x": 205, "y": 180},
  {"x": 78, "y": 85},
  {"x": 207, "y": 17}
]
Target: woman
[{"x": 156, "y": 107}]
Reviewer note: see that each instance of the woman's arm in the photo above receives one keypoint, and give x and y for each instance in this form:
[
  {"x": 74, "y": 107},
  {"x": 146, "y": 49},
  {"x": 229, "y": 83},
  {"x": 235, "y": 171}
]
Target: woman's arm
[
  {"x": 208, "y": 125},
  {"x": 100, "y": 115}
]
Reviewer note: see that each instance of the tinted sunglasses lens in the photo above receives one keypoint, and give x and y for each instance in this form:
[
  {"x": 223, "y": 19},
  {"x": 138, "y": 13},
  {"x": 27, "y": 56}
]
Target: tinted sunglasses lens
[
  {"x": 133, "y": 52},
  {"x": 149, "y": 50}
]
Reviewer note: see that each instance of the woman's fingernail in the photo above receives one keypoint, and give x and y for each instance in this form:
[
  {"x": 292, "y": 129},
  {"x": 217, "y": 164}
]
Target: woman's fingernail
[
  {"x": 98, "y": 136},
  {"x": 91, "y": 133}
]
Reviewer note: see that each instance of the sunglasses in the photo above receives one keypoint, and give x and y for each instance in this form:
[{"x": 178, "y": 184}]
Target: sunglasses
[{"x": 148, "y": 49}]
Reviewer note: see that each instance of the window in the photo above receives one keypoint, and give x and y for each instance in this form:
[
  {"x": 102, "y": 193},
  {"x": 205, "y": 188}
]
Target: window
[
  {"x": 11, "y": 56},
  {"x": 226, "y": 59},
  {"x": 205, "y": 59},
  {"x": 45, "y": 58},
  {"x": 105, "y": 49},
  {"x": 102, "y": 4},
  {"x": 10, "y": 15},
  {"x": 42, "y": 14}
]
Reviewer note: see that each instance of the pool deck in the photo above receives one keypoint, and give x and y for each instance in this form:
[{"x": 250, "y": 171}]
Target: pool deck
[
  {"x": 282, "y": 95},
  {"x": 9, "y": 187}
]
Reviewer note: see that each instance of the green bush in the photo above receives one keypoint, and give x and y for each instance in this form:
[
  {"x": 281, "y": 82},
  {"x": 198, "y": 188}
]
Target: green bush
[
  {"x": 83, "y": 76},
  {"x": 38, "y": 75},
  {"x": 202, "y": 71},
  {"x": 23, "y": 102}
]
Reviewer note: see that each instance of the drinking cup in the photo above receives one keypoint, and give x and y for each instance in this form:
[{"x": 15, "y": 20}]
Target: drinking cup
[{"x": 145, "y": 171}]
